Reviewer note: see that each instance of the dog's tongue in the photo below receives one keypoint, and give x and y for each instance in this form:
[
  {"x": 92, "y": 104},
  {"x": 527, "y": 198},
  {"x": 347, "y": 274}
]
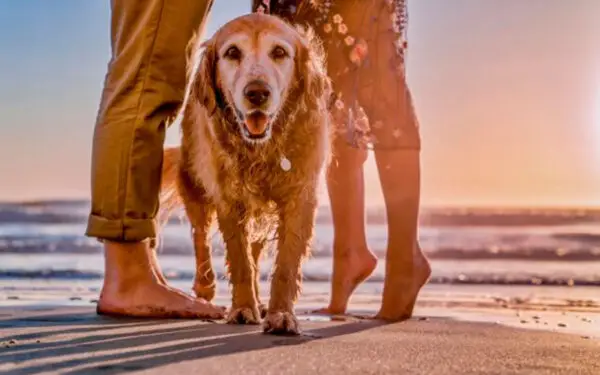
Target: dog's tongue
[{"x": 256, "y": 123}]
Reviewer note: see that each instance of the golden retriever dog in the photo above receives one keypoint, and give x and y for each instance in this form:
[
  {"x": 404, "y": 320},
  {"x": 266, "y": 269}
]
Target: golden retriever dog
[{"x": 254, "y": 141}]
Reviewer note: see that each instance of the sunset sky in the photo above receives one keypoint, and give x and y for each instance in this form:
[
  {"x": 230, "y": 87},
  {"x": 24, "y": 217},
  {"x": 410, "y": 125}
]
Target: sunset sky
[{"x": 507, "y": 91}]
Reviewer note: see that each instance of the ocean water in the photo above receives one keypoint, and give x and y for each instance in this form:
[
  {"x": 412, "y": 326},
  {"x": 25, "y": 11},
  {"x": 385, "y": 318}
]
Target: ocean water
[{"x": 45, "y": 241}]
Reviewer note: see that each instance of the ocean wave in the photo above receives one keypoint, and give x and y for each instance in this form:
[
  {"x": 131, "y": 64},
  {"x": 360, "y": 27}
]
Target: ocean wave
[
  {"x": 589, "y": 238},
  {"x": 76, "y": 212},
  {"x": 57, "y": 227},
  {"x": 521, "y": 253},
  {"x": 315, "y": 276},
  {"x": 324, "y": 250}
]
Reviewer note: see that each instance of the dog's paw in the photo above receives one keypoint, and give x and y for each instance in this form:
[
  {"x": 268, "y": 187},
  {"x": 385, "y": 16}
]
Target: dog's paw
[
  {"x": 244, "y": 315},
  {"x": 281, "y": 323},
  {"x": 262, "y": 308},
  {"x": 204, "y": 291}
]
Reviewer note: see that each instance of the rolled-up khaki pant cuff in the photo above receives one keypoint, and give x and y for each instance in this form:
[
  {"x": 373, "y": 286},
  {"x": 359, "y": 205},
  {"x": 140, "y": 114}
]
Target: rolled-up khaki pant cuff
[{"x": 121, "y": 230}]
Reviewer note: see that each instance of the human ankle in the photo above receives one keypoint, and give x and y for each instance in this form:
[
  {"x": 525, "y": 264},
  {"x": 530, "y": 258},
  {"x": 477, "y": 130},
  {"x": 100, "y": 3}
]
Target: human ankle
[
  {"x": 128, "y": 263},
  {"x": 349, "y": 246}
]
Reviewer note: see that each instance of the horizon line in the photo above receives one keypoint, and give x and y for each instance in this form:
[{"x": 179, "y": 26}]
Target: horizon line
[{"x": 437, "y": 206}]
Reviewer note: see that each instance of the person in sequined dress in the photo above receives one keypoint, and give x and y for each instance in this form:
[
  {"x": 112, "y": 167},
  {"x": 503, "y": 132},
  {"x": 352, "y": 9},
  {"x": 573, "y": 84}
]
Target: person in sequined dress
[{"x": 365, "y": 41}]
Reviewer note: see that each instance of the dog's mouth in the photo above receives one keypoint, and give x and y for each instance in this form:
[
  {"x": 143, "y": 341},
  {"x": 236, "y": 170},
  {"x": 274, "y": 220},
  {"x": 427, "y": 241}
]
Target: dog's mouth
[{"x": 255, "y": 125}]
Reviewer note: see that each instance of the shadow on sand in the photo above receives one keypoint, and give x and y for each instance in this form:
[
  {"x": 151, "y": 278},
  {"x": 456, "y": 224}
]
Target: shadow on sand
[{"x": 109, "y": 345}]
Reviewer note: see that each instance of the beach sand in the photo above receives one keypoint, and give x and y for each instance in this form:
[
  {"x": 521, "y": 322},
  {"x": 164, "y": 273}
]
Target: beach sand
[{"x": 454, "y": 331}]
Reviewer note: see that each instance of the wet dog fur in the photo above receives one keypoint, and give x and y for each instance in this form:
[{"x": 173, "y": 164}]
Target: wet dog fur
[{"x": 253, "y": 162}]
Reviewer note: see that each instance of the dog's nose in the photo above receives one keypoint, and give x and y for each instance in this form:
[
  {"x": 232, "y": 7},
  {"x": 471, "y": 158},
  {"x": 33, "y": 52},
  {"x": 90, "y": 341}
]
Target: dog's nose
[{"x": 257, "y": 92}]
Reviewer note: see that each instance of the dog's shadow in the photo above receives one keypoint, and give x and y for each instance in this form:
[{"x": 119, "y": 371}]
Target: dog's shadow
[{"x": 109, "y": 345}]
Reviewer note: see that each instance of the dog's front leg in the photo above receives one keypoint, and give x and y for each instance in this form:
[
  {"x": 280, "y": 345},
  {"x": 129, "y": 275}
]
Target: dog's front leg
[
  {"x": 200, "y": 213},
  {"x": 244, "y": 306},
  {"x": 257, "y": 248},
  {"x": 295, "y": 232}
]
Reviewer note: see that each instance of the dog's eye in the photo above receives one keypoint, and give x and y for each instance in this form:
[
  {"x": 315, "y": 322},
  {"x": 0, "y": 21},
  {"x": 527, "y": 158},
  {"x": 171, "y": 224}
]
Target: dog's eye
[
  {"x": 279, "y": 53},
  {"x": 233, "y": 53}
]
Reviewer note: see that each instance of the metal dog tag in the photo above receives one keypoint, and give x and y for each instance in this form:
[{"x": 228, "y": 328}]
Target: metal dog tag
[{"x": 285, "y": 164}]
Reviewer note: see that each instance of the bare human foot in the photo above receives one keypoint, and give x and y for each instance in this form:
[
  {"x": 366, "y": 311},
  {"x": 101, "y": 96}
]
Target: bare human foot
[
  {"x": 350, "y": 268},
  {"x": 132, "y": 287},
  {"x": 402, "y": 288}
]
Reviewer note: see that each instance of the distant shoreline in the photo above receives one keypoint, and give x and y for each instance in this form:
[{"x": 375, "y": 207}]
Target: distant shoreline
[
  {"x": 75, "y": 211},
  {"x": 589, "y": 209}
]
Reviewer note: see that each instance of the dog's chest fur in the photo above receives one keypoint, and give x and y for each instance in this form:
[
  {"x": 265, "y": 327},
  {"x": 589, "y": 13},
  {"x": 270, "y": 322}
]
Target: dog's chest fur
[{"x": 252, "y": 175}]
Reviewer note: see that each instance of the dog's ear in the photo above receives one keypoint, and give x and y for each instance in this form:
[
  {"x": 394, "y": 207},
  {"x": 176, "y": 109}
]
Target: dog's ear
[
  {"x": 312, "y": 71},
  {"x": 204, "y": 80}
]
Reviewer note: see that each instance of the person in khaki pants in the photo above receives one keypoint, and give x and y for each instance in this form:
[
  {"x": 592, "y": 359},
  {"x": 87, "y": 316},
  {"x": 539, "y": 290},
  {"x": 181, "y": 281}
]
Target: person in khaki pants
[{"x": 143, "y": 88}]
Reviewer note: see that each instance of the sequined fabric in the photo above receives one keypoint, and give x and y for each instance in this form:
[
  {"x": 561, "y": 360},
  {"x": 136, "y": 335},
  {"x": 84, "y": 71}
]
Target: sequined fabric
[
  {"x": 283, "y": 8},
  {"x": 373, "y": 106},
  {"x": 261, "y": 6}
]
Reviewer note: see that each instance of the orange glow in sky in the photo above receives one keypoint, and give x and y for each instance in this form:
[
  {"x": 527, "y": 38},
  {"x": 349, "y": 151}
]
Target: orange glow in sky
[{"x": 507, "y": 93}]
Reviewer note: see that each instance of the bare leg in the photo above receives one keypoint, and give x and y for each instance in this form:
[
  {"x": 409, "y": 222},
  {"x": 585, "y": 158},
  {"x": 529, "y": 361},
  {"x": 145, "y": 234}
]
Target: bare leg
[
  {"x": 353, "y": 262},
  {"x": 387, "y": 101},
  {"x": 407, "y": 268},
  {"x": 132, "y": 288}
]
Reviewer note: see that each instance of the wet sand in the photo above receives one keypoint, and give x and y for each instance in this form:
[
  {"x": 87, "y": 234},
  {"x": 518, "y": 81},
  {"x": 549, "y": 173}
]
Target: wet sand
[{"x": 439, "y": 340}]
